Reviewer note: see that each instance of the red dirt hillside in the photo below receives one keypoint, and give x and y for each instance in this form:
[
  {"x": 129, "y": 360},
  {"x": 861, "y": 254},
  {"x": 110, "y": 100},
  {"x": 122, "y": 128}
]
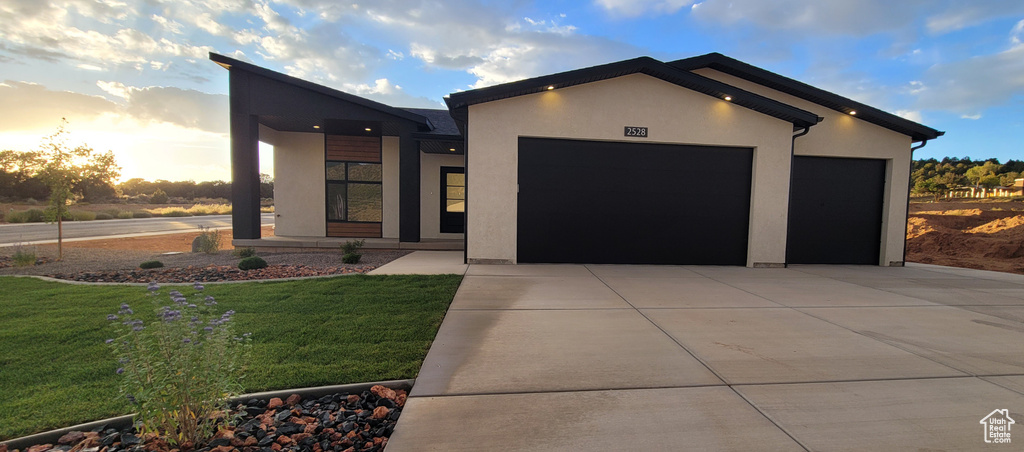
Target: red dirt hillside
[{"x": 986, "y": 235}]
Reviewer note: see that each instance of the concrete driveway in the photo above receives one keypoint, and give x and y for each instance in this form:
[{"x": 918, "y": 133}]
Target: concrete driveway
[{"x": 574, "y": 357}]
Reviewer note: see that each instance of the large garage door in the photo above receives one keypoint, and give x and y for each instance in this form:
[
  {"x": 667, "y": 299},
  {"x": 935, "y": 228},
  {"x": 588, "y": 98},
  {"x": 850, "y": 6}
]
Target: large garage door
[
  {"x": 629, "y": 203},
  {"x": 835, "y": 211}
]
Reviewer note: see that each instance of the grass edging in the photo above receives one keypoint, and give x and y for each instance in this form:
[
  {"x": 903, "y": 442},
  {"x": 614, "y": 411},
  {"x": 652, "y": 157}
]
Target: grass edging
[{"x": 119, "y": 422}]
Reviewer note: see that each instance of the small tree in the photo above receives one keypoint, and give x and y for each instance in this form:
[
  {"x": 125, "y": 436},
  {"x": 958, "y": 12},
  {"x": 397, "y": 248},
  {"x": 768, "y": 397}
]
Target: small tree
[{"x": 64, "y": 167}]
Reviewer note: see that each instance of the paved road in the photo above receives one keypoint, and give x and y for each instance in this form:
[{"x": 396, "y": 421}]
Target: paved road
[{"x": 42, "y": 232}]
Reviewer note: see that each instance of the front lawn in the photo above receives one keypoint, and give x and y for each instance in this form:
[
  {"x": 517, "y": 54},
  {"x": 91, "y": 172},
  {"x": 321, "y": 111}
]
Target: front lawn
[{"x": 56, "y": 371}]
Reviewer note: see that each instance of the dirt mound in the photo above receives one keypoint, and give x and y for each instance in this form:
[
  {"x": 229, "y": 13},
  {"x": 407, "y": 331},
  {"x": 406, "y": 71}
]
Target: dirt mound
[{"x": 987, "y": 236}]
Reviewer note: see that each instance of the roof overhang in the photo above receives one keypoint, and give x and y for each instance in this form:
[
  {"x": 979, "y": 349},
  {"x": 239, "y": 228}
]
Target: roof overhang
[{"x": 731, "y": 66}]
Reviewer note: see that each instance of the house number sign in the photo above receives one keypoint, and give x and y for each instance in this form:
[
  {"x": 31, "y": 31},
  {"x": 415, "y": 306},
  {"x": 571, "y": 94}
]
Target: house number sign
[{"x": 636, "y": 131}]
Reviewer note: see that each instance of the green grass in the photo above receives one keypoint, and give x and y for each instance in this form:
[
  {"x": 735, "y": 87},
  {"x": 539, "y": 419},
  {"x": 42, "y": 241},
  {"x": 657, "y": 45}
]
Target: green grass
[{"x": 56, "y": 371}]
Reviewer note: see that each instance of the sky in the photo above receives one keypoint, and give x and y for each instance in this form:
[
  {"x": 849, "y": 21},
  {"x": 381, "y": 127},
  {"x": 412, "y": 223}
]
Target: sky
[{"x": 134, "y": 77}]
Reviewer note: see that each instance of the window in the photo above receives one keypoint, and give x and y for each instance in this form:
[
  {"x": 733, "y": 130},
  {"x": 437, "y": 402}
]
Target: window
[{"x": 354, "y": 192}]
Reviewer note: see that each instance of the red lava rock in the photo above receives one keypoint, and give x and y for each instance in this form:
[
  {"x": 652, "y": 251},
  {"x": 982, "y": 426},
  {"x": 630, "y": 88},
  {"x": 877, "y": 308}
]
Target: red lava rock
[
  {"x": 276, "y": 403},
  {"x": 284, "y": 440},
  {"x": 381, "y": 391},
  {"x": 336, "y": 436},
  {"x": 293, "y": 399},
  {"x": 250, "y": 441},
  {"x": 298, "y": 437},
  {"x": 222, "y": 449},
  {"x": 400, "y": 400},
  {"x": 71, "y": 438},
  {"x": 352, "y": 398},
  {"x": 210, "y": 273},
  {"x": 39, "y": 448},
  {"x": 3, "y": 448},
  {"x": 310, "y": 428},
  {"x": 276, "y": 447},
  {"x": 350, "y": 449},
  {"x": 380, "y": 412},
  {"x": 378, "y": 441}
]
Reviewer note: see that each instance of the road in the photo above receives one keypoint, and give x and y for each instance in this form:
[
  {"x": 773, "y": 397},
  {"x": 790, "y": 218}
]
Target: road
[{"x": 33, "y": 233}]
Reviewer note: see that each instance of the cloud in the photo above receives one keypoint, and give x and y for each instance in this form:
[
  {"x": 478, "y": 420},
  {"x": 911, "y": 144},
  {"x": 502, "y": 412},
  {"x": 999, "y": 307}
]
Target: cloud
[
  {"x": 28, "y": 106},
  {"x": 844, "y": 17},
  {"x": 633, "y": 8},
  {"x": 972, "y": 13}
]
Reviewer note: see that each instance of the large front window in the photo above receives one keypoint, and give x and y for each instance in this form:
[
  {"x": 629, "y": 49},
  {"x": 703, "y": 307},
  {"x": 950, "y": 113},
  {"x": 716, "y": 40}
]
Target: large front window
[{"x": 354, "y": 192}]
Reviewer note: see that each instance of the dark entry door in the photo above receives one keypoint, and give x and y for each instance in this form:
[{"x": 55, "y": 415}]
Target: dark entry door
[
  {"x": 835, "y": 211},
  {"x": 631, "y": 203},
  {"x": 453, "y": 199}
]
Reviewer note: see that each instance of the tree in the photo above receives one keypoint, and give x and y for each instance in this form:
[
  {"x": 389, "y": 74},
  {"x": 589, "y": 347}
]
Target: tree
[{"x": 64, "y": 167}]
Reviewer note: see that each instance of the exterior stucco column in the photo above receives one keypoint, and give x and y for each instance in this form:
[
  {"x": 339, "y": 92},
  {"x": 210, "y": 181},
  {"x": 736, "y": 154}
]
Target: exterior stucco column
[
  {"x": 409, "y": 188},
  {"x": 245, "y": 161}
]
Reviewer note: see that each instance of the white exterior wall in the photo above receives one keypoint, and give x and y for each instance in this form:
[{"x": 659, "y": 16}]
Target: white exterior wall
[
  {"x": 299, "y": 186},
  {"x": 599, "y": 111},
  {"x": 843, "y": 135},
  {"x": 430, "y": 194}
]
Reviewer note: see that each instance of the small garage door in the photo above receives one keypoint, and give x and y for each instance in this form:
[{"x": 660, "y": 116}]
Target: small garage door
[
  {"x": 630, "y": 203},
  {"x": 835, "y": 211}
]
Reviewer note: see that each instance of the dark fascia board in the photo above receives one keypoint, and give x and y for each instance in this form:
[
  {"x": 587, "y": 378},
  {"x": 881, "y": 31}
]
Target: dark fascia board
[
  {"x": 642, "y": 65},
  {"x": 732, "y": 66},
  {"x": 229, "y": 63}
]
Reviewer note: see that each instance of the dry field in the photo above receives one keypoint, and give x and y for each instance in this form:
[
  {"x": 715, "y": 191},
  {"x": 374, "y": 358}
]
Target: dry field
[{"x": 983, "y": 234}]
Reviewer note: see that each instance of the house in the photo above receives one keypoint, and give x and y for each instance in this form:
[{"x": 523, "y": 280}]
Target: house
[{"x": 607, "y": 164}]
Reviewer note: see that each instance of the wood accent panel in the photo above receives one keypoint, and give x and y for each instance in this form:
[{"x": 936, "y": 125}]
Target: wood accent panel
[
  {"x": 353, "y": 149},
  {"x": 370, "y": 230}
]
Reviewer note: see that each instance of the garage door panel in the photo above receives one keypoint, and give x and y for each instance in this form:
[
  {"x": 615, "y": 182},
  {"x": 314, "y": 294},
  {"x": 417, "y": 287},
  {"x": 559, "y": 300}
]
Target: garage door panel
[
  {"x": 835, "y": 211},
  {"x": 603, "y": 202}
]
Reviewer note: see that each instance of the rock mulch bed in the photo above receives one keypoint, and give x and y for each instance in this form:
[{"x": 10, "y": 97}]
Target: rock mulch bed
[
  {"x": 212, "y": 273},
  {"x": 335, "y": 423}
]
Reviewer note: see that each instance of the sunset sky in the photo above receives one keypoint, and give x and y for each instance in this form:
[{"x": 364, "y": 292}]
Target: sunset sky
[{"x": 133, "y": 76}]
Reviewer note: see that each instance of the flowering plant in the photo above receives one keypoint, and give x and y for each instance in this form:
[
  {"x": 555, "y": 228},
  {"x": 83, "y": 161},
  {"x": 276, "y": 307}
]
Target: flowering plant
[{"x": 180, "y": 368}]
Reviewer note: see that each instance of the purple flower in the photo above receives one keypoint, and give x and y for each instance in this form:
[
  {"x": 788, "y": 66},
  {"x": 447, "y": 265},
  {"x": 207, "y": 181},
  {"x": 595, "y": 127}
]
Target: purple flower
[
  {"x": 120, "y": 370},
  {"x": 210, "y": 301},
  {"x": 192, "y": 306},
  {"x": 153, "y": 287},
  {"x": 111, "y": 317},
  {"x": 138, "y": 328},
  {"x": 186, "y": 341},
  {"x": 208, "y": 329},
  {"x": 131, "y": 399},
  {"x": 125, "y": 310},
  {"x": 108, "y": 341},
  {"x": 197, "y": 286},
  {"x": 123, "y": 361}
]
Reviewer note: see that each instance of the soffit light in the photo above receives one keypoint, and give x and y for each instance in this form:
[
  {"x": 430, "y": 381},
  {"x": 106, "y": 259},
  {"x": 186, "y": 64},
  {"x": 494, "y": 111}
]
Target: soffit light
[
  {"x": 368, "y": 129},
  {"x": 452, "y": 149},
  {"x": 550, "y": 87},
  {"x": 728, "y": 98},
  {"x": 853, "y": 112},
  {"x": 316, "y": 127}
]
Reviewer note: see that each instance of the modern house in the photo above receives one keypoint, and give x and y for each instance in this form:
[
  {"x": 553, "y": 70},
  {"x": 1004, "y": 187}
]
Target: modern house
[{"x": 705, "y": 160}]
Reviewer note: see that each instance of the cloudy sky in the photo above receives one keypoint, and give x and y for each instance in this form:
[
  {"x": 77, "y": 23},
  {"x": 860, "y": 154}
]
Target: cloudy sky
[{"x": 133, "y": 76}]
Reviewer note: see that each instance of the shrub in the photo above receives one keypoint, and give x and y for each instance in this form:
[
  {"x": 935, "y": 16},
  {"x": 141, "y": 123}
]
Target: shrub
[
  {"x": 151, "y": 264},
  {"x": 23, "y": 257},
  {"x": 124, "y": 215},
  {"x": 252, "y": 263},
  {"x": 141, "y": 214},
  {"x": 180, "y": 369},
  {"x": 209, "y": 240},
  {"x": 104, "y": 216},
  {"x": 83, "y": 215},
  {"x": 173, "y": 212},
  {"x": 27, "y": 216},
  {"x": 247, "y": 251},
  {"x": 352, "y": 246},
  {"x": 159, "y": 197},
  {"x": 351, "y": 258}
]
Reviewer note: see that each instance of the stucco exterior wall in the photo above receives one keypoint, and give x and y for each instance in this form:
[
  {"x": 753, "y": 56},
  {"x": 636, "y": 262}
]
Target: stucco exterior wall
[
  {"x": 390, "y": 190},
  {"x": 843, "y": 135},
  {"x": 430, "y": 194},
  {"x": 299, "y": 186},
  {"x": 599, "y": 111}
]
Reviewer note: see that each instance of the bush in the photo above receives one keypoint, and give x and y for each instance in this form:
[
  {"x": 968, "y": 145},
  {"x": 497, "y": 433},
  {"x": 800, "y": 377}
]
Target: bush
[
  {"x": 247, "y": 251},
  {"x": 124, "y": 215},
  {"x": 351, "y": 258},
  {"x": 83, "y": 215},
  {"x": 173, "y": 212},
  {"x": 27, "y": 216},
  {"x": 350, "y": 247},
  {"x": 151, "y": 264},
  {"x": 209, "y": 240},
  {"x": 180, "y": 369},
  {"x": 104, "y": 216},
  {"x": 141, "y": 214},
  {"x": 23, "y": 257},
  {"x": 159, "y": 197},
  {"x": 252, "y": 263}
]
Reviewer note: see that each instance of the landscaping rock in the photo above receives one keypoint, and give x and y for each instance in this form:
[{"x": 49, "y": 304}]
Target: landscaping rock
[
  {"x": 275, "y": 403},
  {"x": 71, "y": 438},
  {"x": 293, "y": 400}
]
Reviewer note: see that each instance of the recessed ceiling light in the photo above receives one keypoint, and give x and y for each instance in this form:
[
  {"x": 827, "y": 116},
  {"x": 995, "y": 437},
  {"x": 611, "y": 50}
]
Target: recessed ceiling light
[
  {"x": 551, "y": 87},
  {"x": 853, "y": 112},
  {"x": 368, "y": 129},
  {"x": 316, "y": 127},
  {"x": 728, "y": 97},
  {"x": 452, "y": 149}
]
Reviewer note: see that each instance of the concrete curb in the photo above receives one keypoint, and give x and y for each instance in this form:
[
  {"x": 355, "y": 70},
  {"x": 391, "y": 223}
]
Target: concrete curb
[
  {"x": 88, "y": 283},
  {"x": 52, "y": 436}
]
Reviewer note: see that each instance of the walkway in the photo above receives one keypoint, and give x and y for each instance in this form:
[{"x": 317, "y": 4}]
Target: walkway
[{"x": 572, "y": 357}]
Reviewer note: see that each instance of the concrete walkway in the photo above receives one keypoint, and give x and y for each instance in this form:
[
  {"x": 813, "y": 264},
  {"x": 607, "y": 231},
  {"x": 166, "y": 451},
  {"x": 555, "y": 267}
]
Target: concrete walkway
[{"x": 573, "y": 357}]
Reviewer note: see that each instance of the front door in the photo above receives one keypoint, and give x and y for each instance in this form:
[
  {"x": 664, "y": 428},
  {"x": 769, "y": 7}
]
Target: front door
[{"x": 453, "y": 199}]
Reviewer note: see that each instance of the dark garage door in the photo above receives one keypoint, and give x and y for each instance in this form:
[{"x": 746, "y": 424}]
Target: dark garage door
[
  {"x": 835, "y": 211},
  {"x": 629, "y": 203}
]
